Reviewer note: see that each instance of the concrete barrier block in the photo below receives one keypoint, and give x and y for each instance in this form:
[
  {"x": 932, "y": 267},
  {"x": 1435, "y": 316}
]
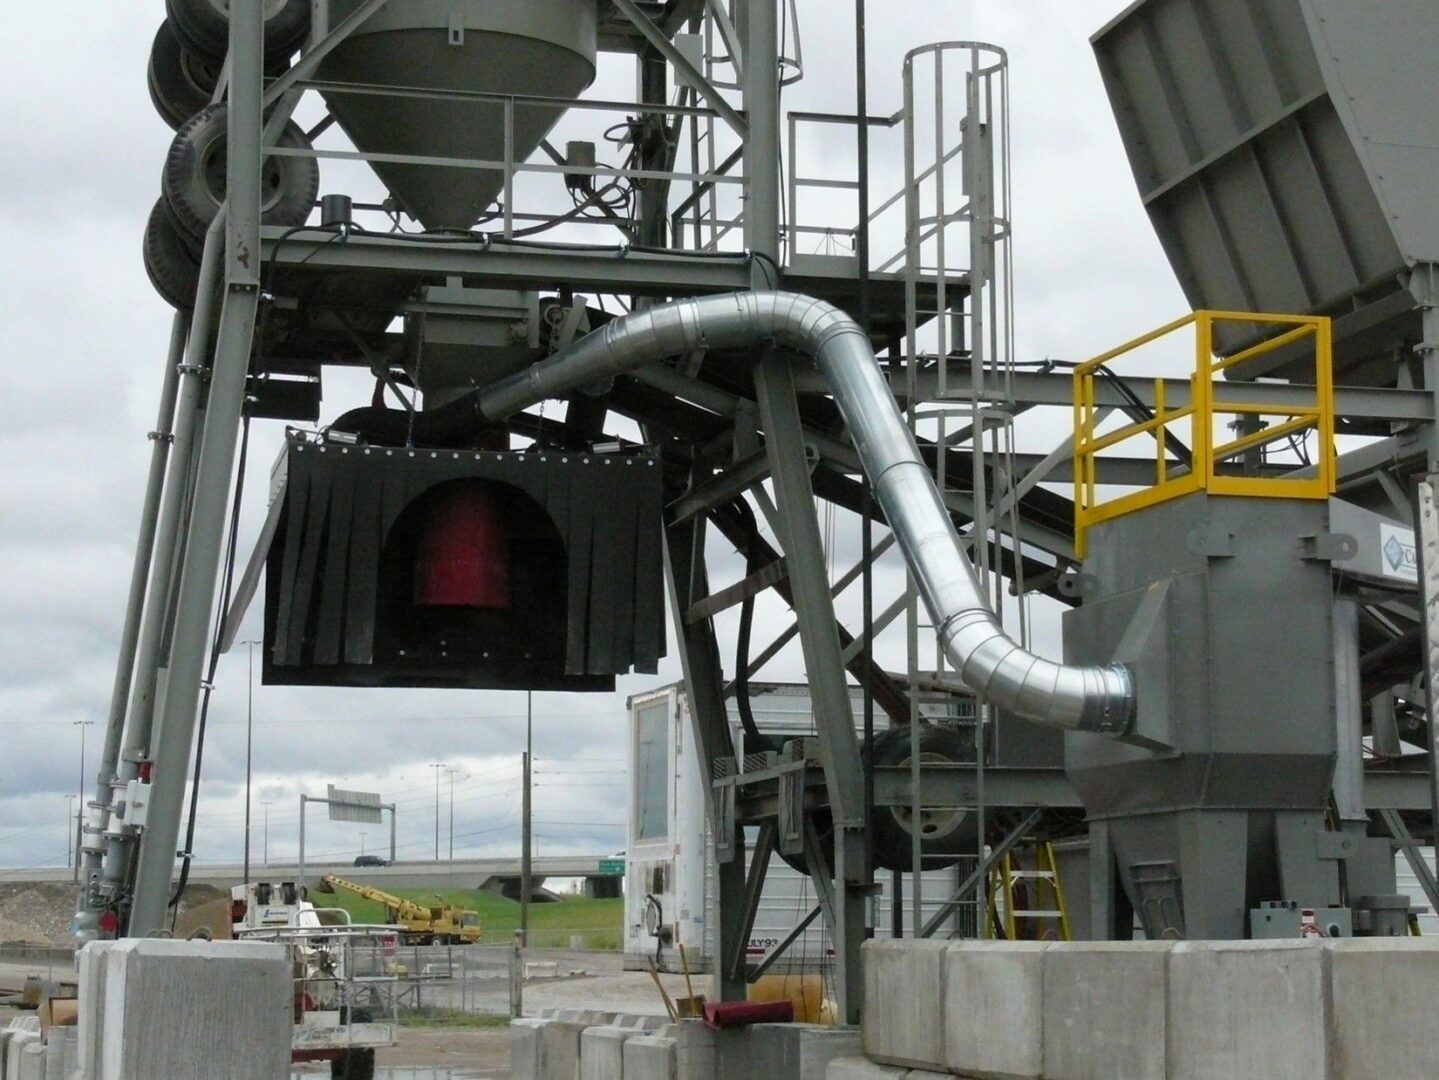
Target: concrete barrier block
[
  {"x": 793, "y": 1051},
  {"x": 1104, "y": 1010},
  {"x": 602, "y": 1052},
  {"x": 1375, "y": 983},
  {"x": 904, "y": 1003},
  {"x": 858, "y": 1068},
  {"x": 525, "y": 1047},
  {"x": 60, "y": 1054},
  {"x": 696, "y": 1049},
  {"x": 652, "y": 1057},
  {"x": 560, "y": 1050},
  {"x": 994, "y": 1009},
  {"x": 90, "y": 1029},
  {"x": 1248, "y": 1010},
  {"x": 20, "y": 1040},
  {"x": 31, "y": 1061},
  {"x": 222, "y": 1010}
]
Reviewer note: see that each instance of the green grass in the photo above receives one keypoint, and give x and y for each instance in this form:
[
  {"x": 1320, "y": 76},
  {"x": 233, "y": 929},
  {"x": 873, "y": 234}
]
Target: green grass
[{"x": 600, "y": 922}]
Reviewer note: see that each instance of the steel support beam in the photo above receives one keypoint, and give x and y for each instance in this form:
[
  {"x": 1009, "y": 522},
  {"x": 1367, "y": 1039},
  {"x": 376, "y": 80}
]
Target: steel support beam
[
  {"x": 172, "y": 529},
  {"x": 734, "y": 961},
  {"x": 196, "y": 597},
  {"x": 692, "y": 76},
  {"x": 1386, "y": 404},
  {"x": 704, "y": 682},
  {"x": 824, "y": 668},
  {"x": 967, "y": 887},
  {"x": 160, "y": 439}
]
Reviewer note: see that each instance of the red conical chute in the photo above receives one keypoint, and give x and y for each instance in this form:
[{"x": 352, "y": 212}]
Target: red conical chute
[{"x": 462, "y": 558}]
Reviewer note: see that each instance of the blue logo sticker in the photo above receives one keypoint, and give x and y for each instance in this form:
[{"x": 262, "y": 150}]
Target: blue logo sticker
[{"x": 1394, "y": 552}]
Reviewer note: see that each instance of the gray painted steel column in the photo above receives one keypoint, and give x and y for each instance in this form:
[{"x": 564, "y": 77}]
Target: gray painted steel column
[
  {"x": 196, "y": 597},
  {"x": 824, "y": 668},
  {"x": 709, "y": 719},
  {"x": 1427, "y": 526},
  {"x": 1425, "y": 284},
  {"x": 107, "y": 877},
  {"x": 762, "y": 147}
]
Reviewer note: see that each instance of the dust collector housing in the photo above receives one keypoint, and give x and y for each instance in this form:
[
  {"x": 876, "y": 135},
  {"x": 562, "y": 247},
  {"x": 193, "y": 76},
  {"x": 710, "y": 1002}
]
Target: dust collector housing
[{"x": 483, "y": 570}]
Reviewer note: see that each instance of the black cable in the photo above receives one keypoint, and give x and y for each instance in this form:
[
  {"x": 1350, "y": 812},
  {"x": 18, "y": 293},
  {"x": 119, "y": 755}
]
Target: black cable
[
  {"x": 742, "y": 642},
  {"x": 231, "y": 551},
  {"x": 778, "y": 270}
]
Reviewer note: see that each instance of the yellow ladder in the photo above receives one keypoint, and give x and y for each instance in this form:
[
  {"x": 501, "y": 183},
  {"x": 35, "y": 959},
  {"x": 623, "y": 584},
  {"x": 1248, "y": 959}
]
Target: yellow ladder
[{"x": 1045, "y": 895}]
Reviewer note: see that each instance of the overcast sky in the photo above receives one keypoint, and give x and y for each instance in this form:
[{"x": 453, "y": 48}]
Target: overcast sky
[{"x": 80, "y": 155}]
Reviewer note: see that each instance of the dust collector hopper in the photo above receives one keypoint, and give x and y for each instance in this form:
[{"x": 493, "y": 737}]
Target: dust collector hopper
[{"x": 459, "y": 48}]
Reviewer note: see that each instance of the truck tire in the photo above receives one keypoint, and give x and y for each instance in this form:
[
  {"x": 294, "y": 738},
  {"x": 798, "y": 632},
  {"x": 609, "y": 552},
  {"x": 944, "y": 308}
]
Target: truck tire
[
  {"x": 204, "y": 26},
  {"x": 354, "y": 1065},
  {"x": 947, "y": 834},
  {"x": 181, "y": 81},
  {"x": 172, "y": 265},
  {"x": 194, "y": 180}
]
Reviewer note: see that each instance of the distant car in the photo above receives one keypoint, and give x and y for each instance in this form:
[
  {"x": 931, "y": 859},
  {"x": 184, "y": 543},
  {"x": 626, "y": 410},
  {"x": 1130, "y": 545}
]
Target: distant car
[{"x": 371, "y": 860}]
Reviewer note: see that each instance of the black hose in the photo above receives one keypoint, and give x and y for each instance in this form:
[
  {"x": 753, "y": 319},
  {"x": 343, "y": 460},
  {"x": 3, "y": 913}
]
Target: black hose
[
  {"x": 754, "y": 740},
  {"x": 457, "y": 425}
]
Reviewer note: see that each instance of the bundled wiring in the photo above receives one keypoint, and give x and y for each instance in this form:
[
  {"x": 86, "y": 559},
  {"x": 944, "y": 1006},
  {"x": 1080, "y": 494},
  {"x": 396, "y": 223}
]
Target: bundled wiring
[{"x": 231, "y": 550}]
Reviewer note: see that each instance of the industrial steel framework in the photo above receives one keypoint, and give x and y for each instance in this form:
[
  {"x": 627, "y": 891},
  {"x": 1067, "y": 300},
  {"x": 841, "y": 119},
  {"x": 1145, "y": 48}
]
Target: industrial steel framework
[{"x": 731, "y": 430}]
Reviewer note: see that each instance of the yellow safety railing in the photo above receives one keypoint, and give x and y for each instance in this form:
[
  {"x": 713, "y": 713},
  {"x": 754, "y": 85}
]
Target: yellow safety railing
[{"x": 1206, "y": 471}]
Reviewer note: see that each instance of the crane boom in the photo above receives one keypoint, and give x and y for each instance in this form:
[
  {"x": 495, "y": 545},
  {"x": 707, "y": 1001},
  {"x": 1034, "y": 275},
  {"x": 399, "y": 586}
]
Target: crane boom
[{"x": 441, "y": 923}]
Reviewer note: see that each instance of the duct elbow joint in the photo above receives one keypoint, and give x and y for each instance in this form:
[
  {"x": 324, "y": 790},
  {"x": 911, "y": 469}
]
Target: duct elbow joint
[{"x": 1113, "y": 709}]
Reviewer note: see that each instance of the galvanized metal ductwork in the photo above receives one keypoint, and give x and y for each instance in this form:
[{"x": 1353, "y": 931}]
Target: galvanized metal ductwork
[{"x": 1094, "y": 698}]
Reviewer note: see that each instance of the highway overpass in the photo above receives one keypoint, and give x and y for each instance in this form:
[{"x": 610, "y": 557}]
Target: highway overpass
[{"x": 445, "y": 874}]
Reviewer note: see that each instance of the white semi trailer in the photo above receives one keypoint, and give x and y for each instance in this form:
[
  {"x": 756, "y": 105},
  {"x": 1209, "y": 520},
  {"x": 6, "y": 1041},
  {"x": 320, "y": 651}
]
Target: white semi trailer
[{"x": 669, "y": 886}]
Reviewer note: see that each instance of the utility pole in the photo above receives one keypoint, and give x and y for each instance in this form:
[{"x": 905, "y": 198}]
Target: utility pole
[
  {"x": 452, "y": 773},
  {"x": 525, "y": 834},
  {"x": 249, "y": 746},
  {"x": 266, "y": 804},
  {"x": 437, "y": 767},
  {"x": 80, "y": 813}
]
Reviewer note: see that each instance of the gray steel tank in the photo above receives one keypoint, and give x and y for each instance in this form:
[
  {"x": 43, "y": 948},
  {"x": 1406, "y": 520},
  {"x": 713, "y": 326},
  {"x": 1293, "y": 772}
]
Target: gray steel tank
[
  {"x": 542, "y": 48},
  {"x": 1224, "y": 610}
]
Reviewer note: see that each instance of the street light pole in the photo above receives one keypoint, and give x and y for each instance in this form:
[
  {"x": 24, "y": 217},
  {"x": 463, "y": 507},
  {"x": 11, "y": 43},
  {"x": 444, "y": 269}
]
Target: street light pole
[
  {"x": 249, "y": 745},
  {"x": 69, "y": 841},
  {"x": 266, "y": 804},
  {"x": 437, "y": 767},
  {"x": 525, "y": 831},
  {"x": 451, "y": 774},
  {"x": 80, "y": 813}
]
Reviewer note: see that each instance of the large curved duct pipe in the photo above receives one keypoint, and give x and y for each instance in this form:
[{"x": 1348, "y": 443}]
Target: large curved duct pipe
[{"x": 990, "y": 663}]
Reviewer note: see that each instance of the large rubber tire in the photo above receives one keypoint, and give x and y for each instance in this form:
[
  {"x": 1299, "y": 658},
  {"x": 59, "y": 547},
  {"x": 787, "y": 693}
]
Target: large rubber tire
[
  {"x": 354, "y": 1065},
  {"x": 173, "y": 266},
  {"x": 204, "y": 26},
  {"x": 181, "y": 82},
  {"x": 947, "y": 834},
  {"x": 194, "y": 179}
]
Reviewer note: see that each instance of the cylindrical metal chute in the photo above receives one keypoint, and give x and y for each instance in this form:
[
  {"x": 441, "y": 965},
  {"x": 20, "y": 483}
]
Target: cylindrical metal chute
[{"x": 1092, "y": 698}]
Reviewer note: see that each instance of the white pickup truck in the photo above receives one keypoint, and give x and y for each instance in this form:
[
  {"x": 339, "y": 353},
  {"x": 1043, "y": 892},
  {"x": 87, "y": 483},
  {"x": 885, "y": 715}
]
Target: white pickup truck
[{"x": 336, "y": 994}]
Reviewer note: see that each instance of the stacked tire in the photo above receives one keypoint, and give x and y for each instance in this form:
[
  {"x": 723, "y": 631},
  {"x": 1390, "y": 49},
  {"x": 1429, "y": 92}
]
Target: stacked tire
[
  {"x": 186, "y": 59},
  {"x": 947, "y": 833}
]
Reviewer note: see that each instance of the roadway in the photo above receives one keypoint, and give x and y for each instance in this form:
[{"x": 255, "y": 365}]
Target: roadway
[{"x": 459, "y": 874}]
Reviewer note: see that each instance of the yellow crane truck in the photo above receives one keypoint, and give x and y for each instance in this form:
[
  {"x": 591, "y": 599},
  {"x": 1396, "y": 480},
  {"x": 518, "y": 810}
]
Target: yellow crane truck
[{"x": 419, "y": 924}]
